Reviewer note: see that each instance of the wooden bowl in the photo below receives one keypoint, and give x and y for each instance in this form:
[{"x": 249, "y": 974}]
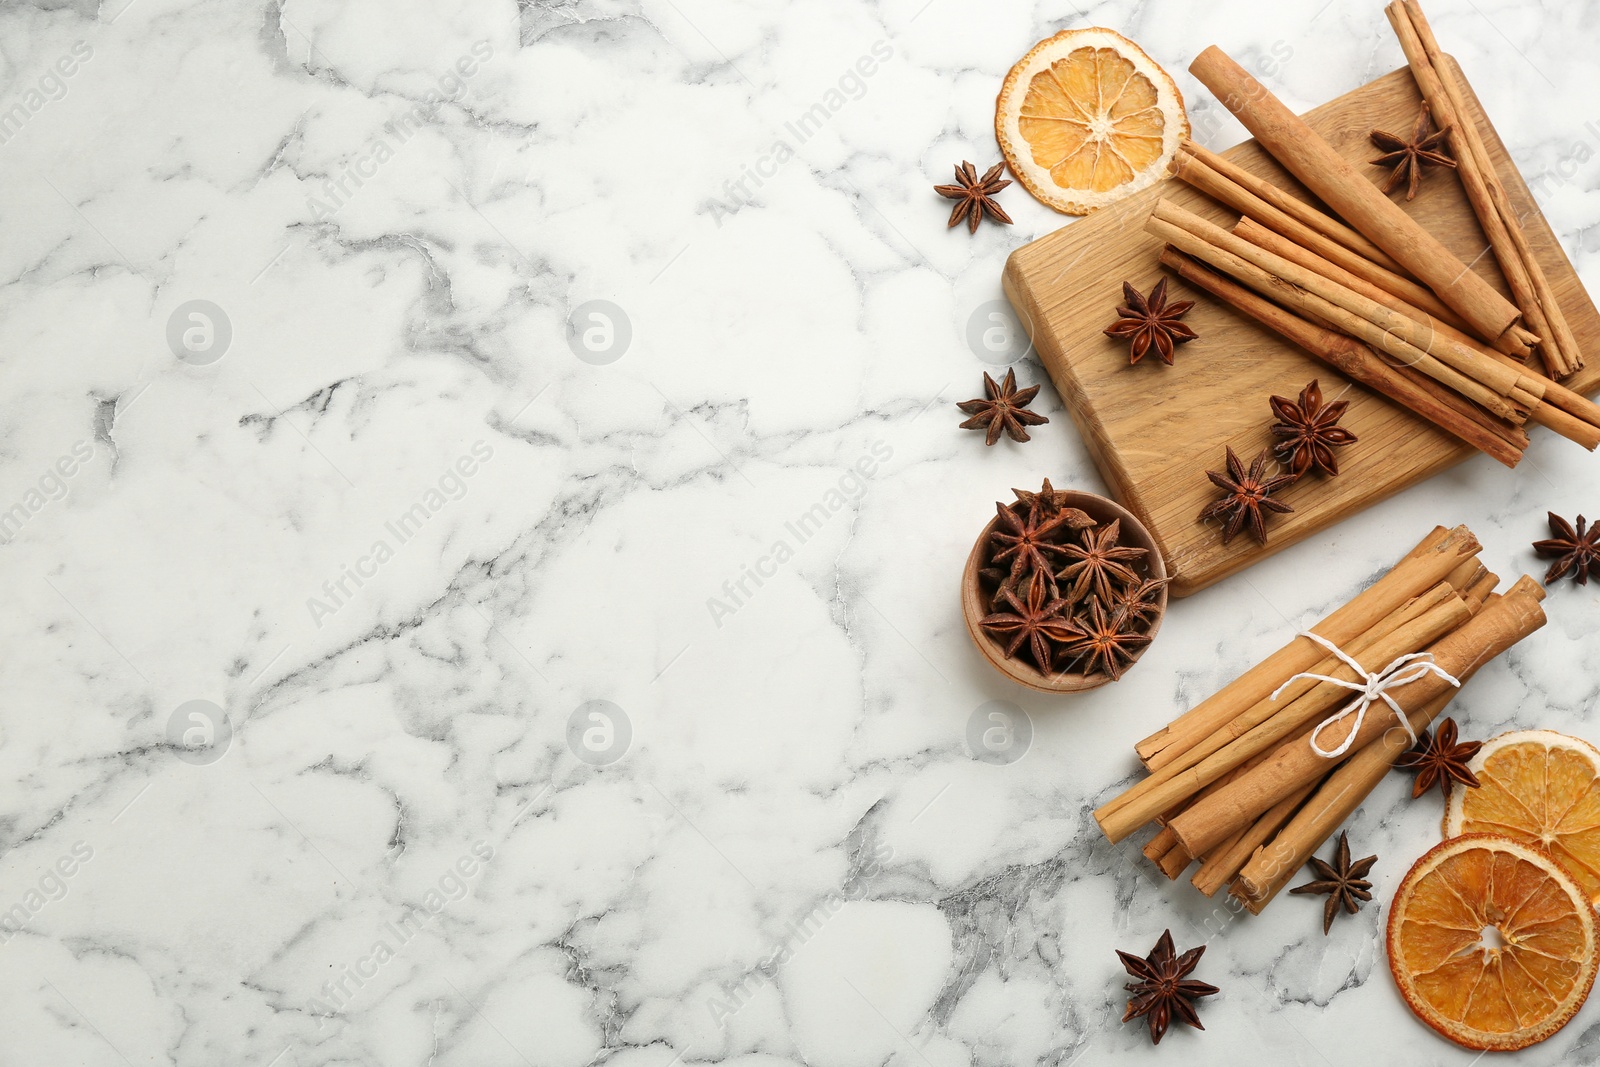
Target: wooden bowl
[{"x": 1022, "y": 671}]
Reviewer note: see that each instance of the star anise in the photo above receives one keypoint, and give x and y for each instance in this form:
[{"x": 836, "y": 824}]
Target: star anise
[
  {"x": 1025, "y": 539},
  {"x": 1248, "y": 493},
  {"x": 1309, "y": 430},
  {"x": 1050, "y": 501},
  {"x": 1004, "y": 407},
  {"x": 1150, "y": 320},
  {"x": 1163, "y": 990},
  {"x": 1409, "y": 157},
  {"x": 1106, "y": 641},
  {"x": 1439, "y": 757},
  {"x": 1036, "y": 621},
  {"x": 1343, "y": 881},
  {"x": 975, "y": 195},
  {"x": 1577, "y": 551},
  {"x": 1098, "y": 563},
  {"x": 1137, "y": 603}
]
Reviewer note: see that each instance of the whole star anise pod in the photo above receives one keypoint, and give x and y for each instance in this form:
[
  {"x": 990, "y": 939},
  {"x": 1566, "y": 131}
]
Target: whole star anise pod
[
  {"x": 1163, "y": 990},
  {"x": 1247, "y": 494},
  {"x": 1106, "y": 641},
  {"x": 1409, "y": 157},
  {"x": 1343, "y": 881},
  {"x": 1439, "y": 757},
  {"x": 1004, "y": 407},
  {"x": 1098, "y": 565},
  {"x": 1137, "y": 603},
  {"x": 975, "y": 195},
  {"x": 1309, "y": 430},
  {"x": 1036, "y": 621},
  {"x": 1150, "y": 320},
  {"x": 1577, "y": 551},
  {"x": 1025, "y": 539}
]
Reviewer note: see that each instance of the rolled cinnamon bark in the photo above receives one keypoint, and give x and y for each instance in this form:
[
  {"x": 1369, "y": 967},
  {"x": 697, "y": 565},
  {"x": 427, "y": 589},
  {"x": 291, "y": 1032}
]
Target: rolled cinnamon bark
[
  {"x": 1197, "y": 168},
  {"x": 1497, "y": 399},
  {"x": 1226, "y": 862},
  {"x": 1174, "y": 862},
  {"x": 1496, "y": 628},
  {"x": 1227, "y": 751},
  {"x": 1282, "y": 698},
  {"x": 1410, "y": 389},
  {"x": 1342, "y": 792},
  {"x": 1352, "y": 196},
  {"x": 1383, "y": 323},
  {"x": 1317, "y": 221},
  {"x": 1261, "y": 236},
  {"x": 1434, "y": 557},
  {"x": 1447, "y": 98},
  {"x": 1265, "y": 872},
  {"x": 1196, "y": 171},
  {"x": 1574, "y": 417}
]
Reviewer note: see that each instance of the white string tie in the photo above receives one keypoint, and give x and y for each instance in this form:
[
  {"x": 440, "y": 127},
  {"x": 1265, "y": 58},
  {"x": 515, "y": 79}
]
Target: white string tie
[{"x": 1402, "y": 671}]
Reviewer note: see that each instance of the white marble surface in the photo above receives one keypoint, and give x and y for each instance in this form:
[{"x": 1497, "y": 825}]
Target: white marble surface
[{"x": 395, "y": 247}]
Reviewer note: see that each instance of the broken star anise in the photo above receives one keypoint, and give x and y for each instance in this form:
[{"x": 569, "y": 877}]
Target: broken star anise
[
  {"x": 1248, "y": 493},
  {"x": 1344, "y": 882},
  {"x": 1050, "y": 501},
  {"x": 975, "y": 195},
  {"x": 1577, "y": 552},
  {"x": 1003, "y": 408},
  {"x": 1106, "y": 641},
  {"x": 1309, "y": 431},
  {"x": 1439, "y": 757},
  {"x": 1149, "y": 320},
  {"x": 1036, "y": 621},
  {"x": 1097, "y": 564},
  {"x": 1163, "y": 990},
  {"x": 1409, "y": 157}
]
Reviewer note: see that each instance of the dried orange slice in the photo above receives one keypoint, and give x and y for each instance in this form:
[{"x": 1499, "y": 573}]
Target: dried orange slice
[
  {"x": 1086, "y": 118},
  {"x": 1541, "y": 788},
  {"x": 1491, "y": 942}
]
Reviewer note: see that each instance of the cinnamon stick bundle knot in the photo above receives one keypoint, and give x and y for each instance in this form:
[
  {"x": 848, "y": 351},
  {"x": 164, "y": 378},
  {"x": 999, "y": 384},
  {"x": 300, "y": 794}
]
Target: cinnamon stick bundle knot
[{"x": 1374, "y": 686}]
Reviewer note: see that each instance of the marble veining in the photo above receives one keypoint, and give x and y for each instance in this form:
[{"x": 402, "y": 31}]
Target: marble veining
[{"x": 482, "y": 506}]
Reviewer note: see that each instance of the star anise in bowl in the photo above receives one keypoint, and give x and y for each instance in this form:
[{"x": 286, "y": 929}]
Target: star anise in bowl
[{"x": 1063, "y": 591}]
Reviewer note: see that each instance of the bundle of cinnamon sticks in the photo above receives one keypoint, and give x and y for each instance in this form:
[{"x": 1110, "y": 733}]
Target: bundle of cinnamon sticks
[
  {"x": 1371, "y": 292},
  {"x": 1252, "y": 781}
]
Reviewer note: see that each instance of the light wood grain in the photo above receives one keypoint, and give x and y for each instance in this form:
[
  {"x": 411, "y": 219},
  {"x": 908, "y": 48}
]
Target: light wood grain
[{"x": 1153, "y": 430}]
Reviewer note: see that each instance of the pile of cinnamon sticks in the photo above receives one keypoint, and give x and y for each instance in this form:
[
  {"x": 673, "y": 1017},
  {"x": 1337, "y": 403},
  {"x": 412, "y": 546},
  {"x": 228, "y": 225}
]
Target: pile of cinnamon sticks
[
  {"x": 1370, "y": 292},
  {"x": 1237, "y": 783}
]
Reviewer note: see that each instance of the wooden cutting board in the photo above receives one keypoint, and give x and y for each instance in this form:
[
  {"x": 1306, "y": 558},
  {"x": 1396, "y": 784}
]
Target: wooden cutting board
[{"x": 1154, "y": 430}]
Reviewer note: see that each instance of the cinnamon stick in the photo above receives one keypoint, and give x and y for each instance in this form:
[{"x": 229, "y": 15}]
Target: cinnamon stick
[
  {"x": 1311, "y": 218},
  {"x": 1174, "y": 862},
  {"x": 1198, "y": 171},
  {"x": 1382, "y": 324},
  {"x": 1261, "y": 732},
  {"x": 1493, "y": 630},
  {"x": 1497, "y": 399},
  {"x": 1572, "y": 409},
  {"x": 1352, "y": 196},
  {"x": 1447, "y": 98},
  {"x": 1249, "y": 229},
  {"x": 1283, "y": 697},
  {"x": 1434, "y": 557},
  {"x": 1227, "y": 861},
  {"x": 1410, "y": 389},
  {"x": 1343, "y": 791}
]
